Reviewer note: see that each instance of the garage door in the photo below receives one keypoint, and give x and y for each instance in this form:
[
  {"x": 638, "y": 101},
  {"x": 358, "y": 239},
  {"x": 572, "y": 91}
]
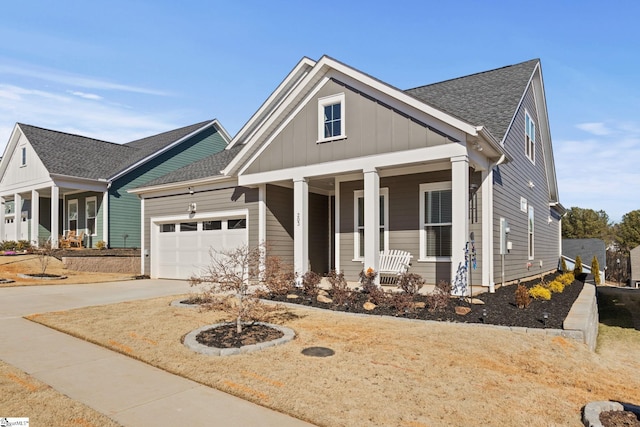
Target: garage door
[{"x": 181, "y": 249}]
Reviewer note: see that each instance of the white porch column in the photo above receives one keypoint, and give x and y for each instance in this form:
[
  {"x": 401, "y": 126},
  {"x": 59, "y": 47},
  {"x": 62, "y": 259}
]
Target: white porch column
[
  {"x": 17, "y": 221},
  {"x": 486, "y": 189},
  {"x": 372, "y": 221},
  {"x": 35, "y": 217},
  {"x": 2, "y": 219},
  {"x": 336, "y": 224},
  {"x": 55, "y": 217},
  {"x": 460, "y": 214},
  {"x": 105, "y": 219},
  {"x": 301, "y": 226}
]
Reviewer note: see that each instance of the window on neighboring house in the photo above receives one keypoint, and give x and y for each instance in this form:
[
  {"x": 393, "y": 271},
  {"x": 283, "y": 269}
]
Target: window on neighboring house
[
  {"x": 331, "y": 124},
  {"x": 530, "y": 137},
  {"x": 72, "y": 215},
  {"x": 359, "y": 222},
  {"x": 23, "y": 156},
  {"x": 91, "y": 213},
  {"x": 531, "y": 233},
  {"x": 435, "y": 218}
]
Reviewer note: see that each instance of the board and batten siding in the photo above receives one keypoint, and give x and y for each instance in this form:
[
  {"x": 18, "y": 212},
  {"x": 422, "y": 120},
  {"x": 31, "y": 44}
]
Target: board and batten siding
[
  {"x": 371, "y": 128},
  {"x": 33, "y": 173},
  {"x": 214, "y": 201},
  {"x": 404, "y": 223},
  {"x": 279, "y": 222},
  {"x": 511, "y": 182},
  {"x": 124, "y": 208}
]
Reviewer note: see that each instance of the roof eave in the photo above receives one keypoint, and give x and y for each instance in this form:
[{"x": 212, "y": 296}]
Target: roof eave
[{"x": 179, "y": 184}]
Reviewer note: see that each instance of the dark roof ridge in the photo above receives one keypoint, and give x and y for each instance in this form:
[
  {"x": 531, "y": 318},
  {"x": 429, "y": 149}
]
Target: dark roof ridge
[
  {"x": 474, "y": 74},
  {"x": 199, "y": 125}
]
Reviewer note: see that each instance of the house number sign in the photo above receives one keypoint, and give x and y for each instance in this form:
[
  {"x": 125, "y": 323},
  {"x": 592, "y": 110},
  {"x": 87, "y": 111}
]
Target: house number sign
[{"x": 298, "y": 218}]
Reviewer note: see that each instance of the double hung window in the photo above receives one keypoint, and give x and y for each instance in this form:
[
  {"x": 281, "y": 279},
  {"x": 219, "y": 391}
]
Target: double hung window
[
  {"x": 436, "y": 220},
  {"x": 359, "y": 235}
]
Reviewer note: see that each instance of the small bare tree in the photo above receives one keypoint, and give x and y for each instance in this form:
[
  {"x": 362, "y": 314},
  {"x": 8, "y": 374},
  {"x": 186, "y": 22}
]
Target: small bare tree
[
  {"x": 229, "y": 282},
  {"x": 44, "y": 252}
]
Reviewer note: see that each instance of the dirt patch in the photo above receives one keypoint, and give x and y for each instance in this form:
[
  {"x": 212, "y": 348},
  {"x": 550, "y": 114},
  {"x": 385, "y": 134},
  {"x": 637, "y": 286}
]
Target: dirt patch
[
  {"x": 12, "y": 266},
  {"x": 226, "y": 336},
  {"x": 385, "y": 371}
]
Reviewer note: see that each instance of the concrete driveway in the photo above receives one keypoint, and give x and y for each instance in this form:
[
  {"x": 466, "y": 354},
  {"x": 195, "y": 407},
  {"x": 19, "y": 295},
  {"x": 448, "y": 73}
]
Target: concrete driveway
[{"x": 128, "y": 391}]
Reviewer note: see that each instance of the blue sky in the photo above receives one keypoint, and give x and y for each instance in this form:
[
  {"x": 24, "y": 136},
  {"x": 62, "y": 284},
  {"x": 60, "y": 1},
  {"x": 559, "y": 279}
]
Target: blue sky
[{"x": 122, "y": 70}]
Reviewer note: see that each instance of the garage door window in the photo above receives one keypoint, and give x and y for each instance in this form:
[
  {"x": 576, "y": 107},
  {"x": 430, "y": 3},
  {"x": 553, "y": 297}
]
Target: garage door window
[
  {"x": 236, "y": 224},
  {"x": 167, "y": 228},
  {"x": 188, "y": 226},
  {"x": 212, "y": 225}
]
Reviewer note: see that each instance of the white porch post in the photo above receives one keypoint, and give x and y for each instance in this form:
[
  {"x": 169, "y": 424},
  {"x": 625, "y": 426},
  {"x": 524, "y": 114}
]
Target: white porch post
[
  {"x": 17, "y": 221},
  {"x": 301, "y": 226},
  {"x": 336, "y": 224},
  {"x": 460, "y": 214},
  {"x": 105, "y": 218},
  {"x": 2, "y": 219},
  {"x": 35, "y": 217},
  {"x": 372, "y": 221},
  {"x": 55, "y": 217},
  {"x": 487, "y": 229}
]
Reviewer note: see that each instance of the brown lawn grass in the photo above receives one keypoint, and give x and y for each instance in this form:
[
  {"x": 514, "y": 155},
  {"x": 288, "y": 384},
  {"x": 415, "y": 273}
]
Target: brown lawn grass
[
  {"x": 11, "y": 266},
  {"x": 385, "y": 371},
  {"x": 23, "y": 396}
]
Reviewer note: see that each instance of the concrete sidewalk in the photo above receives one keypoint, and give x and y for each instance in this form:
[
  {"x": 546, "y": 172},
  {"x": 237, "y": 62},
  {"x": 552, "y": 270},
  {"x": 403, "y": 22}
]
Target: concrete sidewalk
[{"x": 128, "y": 391}]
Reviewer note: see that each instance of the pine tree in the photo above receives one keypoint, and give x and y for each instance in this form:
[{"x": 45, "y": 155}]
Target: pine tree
[
  {"x": 595, "y": 270},
  {"x": 577, "y": 269}
]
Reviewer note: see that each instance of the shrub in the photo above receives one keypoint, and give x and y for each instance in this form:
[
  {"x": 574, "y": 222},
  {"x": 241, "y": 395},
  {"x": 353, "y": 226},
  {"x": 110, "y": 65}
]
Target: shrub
[
  {"x": 523, "y": 299},
  {"x": 311, "y": 283},
  {"x": 438, "y": 300},
  {"x": 577, "y": 269},
  {"x": 410, "y": 283},
  {"x": 402, "y": 302},
  {"x": 23, "y": 245},
  {"x": 563, "y": 265},
  {"x": 595, "y": 270},
  {"x": 100, "y": 244},
  {"x": 9, "y": 245},
  {"x": 340, "y": 292},
  {"x": 567, "y": 278},
  {"x": 556, "y": 286},
  {"x": 368, "y": 279},
  {"x": 277, "y": 277},
  {"x": 540, "y": 292}
]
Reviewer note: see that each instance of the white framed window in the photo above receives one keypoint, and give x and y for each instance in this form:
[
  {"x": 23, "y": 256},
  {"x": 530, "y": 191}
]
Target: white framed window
[
  {"x": 523, "y": 204},
  {"x": 331, "y": 118},
  {"x": 23, "y": 156},
  {"x": 435, "y": 221},
  {"x": 530, "y": 233},
  {"x": 72, "y": 215},
  {"x": 530, "y": 137},
  {"x": 358, "y": 222},
  {"x": 91, "y": 211}
]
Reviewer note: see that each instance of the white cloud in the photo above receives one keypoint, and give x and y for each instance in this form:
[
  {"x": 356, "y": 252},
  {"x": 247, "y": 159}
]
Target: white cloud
[
  {"x": 85, "y": 95},
  {"x": 597, "y": 128},
  {"x": 600, "y": 172}
]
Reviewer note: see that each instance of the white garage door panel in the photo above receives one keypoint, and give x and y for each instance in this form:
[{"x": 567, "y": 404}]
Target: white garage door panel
[{"x": 182, "y": 254}]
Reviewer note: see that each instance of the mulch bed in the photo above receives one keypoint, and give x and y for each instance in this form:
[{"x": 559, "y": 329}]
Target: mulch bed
[
  {"x": 226, "y": 336},
  {"x": 499, "y": 307},
  {"x": 619, "y": 419}
]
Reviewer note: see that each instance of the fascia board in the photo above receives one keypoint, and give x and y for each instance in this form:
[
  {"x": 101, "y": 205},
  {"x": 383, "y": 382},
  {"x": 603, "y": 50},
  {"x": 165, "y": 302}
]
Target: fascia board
[
  {"x": 547, "y": 147},
  {"x": 180, "y": 185},
  {"x": 276, "y": 97},
  {"x": 139, "y": 163}
]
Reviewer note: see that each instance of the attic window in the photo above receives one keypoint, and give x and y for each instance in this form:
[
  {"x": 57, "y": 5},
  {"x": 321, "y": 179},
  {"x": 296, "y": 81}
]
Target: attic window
[
  {"x": 331, "y": 123},
  {"x": 23, "y": 156},
  {"x": 530, "y": 137}
]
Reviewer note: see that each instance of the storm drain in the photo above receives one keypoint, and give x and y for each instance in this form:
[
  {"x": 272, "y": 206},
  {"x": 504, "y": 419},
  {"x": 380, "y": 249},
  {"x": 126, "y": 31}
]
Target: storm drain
[{"x": 318, "y": 351}]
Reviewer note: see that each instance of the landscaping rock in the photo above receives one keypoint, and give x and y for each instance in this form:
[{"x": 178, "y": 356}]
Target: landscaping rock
[
  {"x": 463, "y": 311},
  {"x": 324, "y": 299},
  {"x": 369, "y": 306},
  {"x": 292, "y": 296},
  {"x": 475, "y": 301},
  {"x": 323, "y": 293},
  {"x": 419, "y": 305}
]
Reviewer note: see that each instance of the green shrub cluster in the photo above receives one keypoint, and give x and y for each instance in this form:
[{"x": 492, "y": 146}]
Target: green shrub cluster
[{"x": 12, "y": 245}]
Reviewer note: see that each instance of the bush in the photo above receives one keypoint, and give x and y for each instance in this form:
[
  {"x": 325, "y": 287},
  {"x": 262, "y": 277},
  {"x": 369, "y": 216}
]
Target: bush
[
  {"x": 9, "y": 245},
  {"x": 277, "y": 277},
  {"x": 577, "y": 269},
  {"x": 311, "y": 283},
  {"x": 410, "y": 283},
  {"x": 368, "y": 279},
  {"x": 340, "y": 292},
  {"x": 100, "y": 244},
  {"x": 23, "y": 245},
  {"x": 563, "y": 265},
  {"x": 523, "y": 299},
  {"x": 567, "y": 278},
  {"x": 438, "y": 300},
  {"x": 402, "y": 302},
  {"x": 556, "y": 286},
  {"x": 540, "y": 292},
  {"x": 595, "y": 270}
]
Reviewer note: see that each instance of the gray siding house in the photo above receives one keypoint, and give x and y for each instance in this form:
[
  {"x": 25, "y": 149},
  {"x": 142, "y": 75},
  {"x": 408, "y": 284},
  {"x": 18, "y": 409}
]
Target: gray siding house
[
  {"x": 52, "y": 182},
  {"x": 336, "y": 166}
]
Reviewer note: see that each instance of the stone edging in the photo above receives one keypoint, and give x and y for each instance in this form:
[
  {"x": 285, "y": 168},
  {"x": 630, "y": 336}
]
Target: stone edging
[
  {"x": 592, "y": 410},
  {"x": 179, "y": 303},
  {"x": 28, "y": 276},
  {"x": 191, "y": 342}
]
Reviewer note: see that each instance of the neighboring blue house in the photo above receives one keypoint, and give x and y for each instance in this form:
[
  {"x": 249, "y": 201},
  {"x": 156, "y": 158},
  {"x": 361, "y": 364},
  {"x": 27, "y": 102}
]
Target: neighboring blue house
[{"x": 52, "y": 182}]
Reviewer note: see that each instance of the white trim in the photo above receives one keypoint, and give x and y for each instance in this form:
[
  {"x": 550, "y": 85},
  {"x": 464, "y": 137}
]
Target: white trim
[
  {"x": 93, "y": 199},
  {"x": 323, "y": 102},
  {"x": 23, "y": 155},
  {"x": 301, "y": 226},
  {"x": 531, "y": 240},
  {"x": 209, "y": 183},
  {"x": 336, "y": 215},
  {"x": 356, "y": 228},
  {"x": 529, "y": 140},
  {"x": 35, "y": 217},
  {"x": 486, "y": 190},
  {"x": 105, "y": 218},
  {"x": 55, "y": 215},
  {"x": 143, "y": 247},
  {"x": 423, "y": 188},
  {"x": 262, "y": 214}
]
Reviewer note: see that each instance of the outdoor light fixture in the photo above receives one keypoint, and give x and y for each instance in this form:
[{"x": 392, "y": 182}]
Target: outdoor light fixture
[
  {"x": 484, "y": 315},
  {"x": 545, "y": 318}
]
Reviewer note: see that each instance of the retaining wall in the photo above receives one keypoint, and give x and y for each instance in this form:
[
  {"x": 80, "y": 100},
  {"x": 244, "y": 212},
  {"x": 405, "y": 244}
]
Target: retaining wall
[
  {"x": 583, "y": 316},
  {"x": 103, "y": 264}
]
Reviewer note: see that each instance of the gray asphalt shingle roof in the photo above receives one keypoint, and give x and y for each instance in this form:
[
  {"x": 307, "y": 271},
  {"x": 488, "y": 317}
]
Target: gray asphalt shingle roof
[
  {"x": 74, "y": 155},
  {"x": 208, "y": 167},
  {"x": 489, "y": 98}
]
